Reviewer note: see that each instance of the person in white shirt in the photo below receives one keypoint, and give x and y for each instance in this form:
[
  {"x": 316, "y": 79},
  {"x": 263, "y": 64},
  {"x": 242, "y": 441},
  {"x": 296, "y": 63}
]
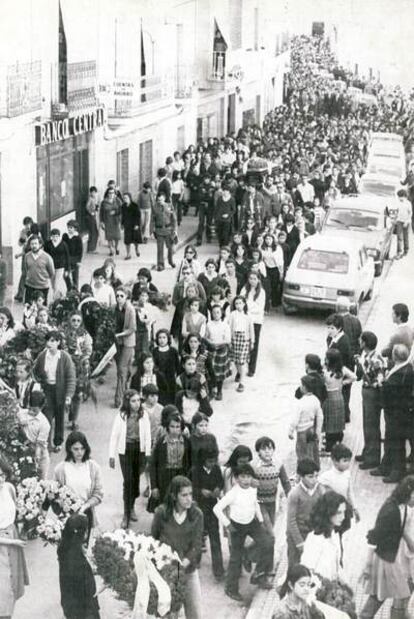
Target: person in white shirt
[
  {"x": 245, "y": 518},
  {"x": 256, "y": 299},
  {"x": 272, "y": 255},
  {"x": 338, "y": 477},
  {"x": 102, "y": 292},
  {"x": 307, "y": 422},
  {"x": 403, "y": 222},
  {"x": 306, "y": 191},
  {"x": 218, "y": 338}
]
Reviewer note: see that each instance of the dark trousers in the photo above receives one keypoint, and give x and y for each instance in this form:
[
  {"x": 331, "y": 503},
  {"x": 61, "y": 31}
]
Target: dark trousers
[
  {"x": 92, "y": 232},
  {"x": 161, "y": 242},
  {"x": 371, "y": 420},
  {"x": 205, "y": 219},
  {"x": 293, "y": 553},
  {"x": 331, "y": 438},
  {"x": 238, "y": 536},
  {"x": 274, "y": 281},
  {"x": 211, "y": 526},
  {"x": 72, "y": 282},
  {"x": 346, "y": 393},
  {"x": 31, "y": 294},
  {"x": 178, "y": 207},
  {"x": 255, "y": 351},
  {"x": 55, "y": 411},
  {"x": 74, "y": 408},
  {"x": 393, "y": 462},
  {"x": 223, "y": 231},
  {"x": 131, "y": 469}
]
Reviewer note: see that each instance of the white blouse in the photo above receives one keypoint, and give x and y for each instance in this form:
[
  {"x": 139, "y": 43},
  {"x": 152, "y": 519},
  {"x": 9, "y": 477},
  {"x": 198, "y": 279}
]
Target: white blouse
[
  {"x": 78, "y": 478},
  {"x": 218, "y": 332},
  {"x": 322, "y": 555},
  {"x": 255, "y": 307}
]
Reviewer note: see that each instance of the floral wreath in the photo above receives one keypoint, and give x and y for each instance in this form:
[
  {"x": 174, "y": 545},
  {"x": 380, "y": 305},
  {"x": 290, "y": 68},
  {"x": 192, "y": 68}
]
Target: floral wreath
[
  {"x": 43, "y": 508},
  {"x": 144, "y": 572}
]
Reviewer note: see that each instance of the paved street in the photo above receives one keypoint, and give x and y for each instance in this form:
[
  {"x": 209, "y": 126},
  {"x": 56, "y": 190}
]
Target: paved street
[{"x": 262, "y": 409}]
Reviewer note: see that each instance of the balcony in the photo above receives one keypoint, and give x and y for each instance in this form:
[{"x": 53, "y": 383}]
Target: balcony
[
  {"x": 20, "y": 89},
  {"x": 128, "y": 98},
  {"x": 218, "y": 69},
  {"x": 184, "y": 82}
]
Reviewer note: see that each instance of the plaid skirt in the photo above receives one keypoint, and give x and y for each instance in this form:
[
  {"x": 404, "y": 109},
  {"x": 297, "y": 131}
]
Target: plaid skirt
[
  {"x": 334, "y": 412},
  {"x": 240, "y": 348},
  {"x": 219, "y": 361}
]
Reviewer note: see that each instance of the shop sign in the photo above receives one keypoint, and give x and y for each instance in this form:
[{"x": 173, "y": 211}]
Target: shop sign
[{"x": 57, "y": 130}]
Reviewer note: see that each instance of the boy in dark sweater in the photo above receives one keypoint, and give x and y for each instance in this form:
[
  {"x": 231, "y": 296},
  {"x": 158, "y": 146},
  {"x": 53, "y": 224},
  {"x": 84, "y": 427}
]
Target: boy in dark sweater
[
  {"x": 75, "y": 247},
  {"x": 300, "y": 503},
  {"x": 208, "y": 484}
]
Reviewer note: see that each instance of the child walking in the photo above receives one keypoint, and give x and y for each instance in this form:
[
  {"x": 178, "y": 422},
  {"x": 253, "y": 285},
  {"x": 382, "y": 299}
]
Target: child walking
[
  {"x": 36, "y": 429},
  {"x": 208, "y": 484},
  {"x": 242, "y": 339},
  {"x": 154, "y": 411},
  {"x": 245, "y": 519},
  {"x": 218, "y": 339},
  {"x": 307, "y": 422}
]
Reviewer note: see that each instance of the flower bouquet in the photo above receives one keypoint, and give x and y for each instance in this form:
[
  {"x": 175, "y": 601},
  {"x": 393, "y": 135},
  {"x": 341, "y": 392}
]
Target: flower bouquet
[
  {"x": 43, "y": 508},
  {"x": 61, "y": 309},
  {"x": 129, "y": 562},
  {"x": 13, "y": 444},
  {"x": 30, "y": 497},
  {"x": 334, "y": 594}
]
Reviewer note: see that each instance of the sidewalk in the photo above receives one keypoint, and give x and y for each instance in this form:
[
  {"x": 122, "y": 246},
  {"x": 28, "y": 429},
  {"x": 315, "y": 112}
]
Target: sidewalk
[{"x": 370, "y": 492}]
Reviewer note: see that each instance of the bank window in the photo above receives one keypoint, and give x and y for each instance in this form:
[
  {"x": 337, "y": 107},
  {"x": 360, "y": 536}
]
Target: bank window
[
  {"x": 61, "y": 179},
  {"x": 122, "y": 169}
]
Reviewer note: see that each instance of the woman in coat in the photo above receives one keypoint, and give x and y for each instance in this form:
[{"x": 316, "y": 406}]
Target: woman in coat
[
  {"x": 78, "y": 596},
  {"x": 55, "y": 371},
  {"x": 130, "y": 222},
  {"x": 131, "y": 441},
  {"x": 82, "y": 475},
  {"x": 110, "y": 215},
  {"x": 386, "y": 574}
]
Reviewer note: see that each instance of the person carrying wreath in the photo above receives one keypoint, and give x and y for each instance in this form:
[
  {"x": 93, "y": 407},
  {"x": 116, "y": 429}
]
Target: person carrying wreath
[{"x": 178, "y": 522}]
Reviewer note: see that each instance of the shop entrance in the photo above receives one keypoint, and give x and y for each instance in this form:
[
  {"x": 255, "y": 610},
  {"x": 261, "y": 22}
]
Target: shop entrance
[{"x": 62, "y": 181}]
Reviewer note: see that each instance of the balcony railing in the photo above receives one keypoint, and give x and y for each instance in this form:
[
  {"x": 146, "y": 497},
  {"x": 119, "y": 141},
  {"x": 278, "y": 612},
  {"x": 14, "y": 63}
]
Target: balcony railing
[
  {"x": 127, "y": 98},
  {"x": 218, "y": 70},
  {"x": 81, "y": 85},
  {"x": 184, "y": 82},
  {"x": 20, "y": 88}
]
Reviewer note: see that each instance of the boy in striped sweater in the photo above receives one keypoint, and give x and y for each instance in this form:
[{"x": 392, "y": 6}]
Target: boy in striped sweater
[{"x": 268, "y": 472}]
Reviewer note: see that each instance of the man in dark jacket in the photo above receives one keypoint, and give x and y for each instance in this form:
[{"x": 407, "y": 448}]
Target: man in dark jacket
[
  {"x": 165, "y": 229},
  {"x": 206, "y": 209}
]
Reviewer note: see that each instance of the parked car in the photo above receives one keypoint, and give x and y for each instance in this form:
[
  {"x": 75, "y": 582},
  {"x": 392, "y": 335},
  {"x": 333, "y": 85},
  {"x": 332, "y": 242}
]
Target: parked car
[
  {"x": 366, "y": 218},
  {"x": 379, "y": 185},
  {"x": 324, "y": 270}
]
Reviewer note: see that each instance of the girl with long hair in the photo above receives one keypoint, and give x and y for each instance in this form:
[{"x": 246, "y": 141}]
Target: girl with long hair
[
  {"x": 336, "y": 374},
  {"x": 78, "y": 595},
  {"x": 242, "y": 338},
  {"x": 294, "y": 594},
  {"x": 167, "y": 361},
  {"x": 322, "y": 551},
  {"x": 148, "y": 374},
  {"x": 131, "y": 440},
  {"x": 255, "y": 299},
  {"x": 194, "y": 347},
  {"x": 178, "y": 522},
  {"x": 82, "y": 475}
]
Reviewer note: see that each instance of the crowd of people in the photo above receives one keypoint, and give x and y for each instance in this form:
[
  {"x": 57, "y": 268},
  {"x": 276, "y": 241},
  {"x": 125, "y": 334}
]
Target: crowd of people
[{"x": 260, "y": 193}]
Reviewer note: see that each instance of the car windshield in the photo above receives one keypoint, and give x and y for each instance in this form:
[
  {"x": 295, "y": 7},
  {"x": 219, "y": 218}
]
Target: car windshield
[
  {"x": 327, "y": 261},
  {"x": 349, "y": 218},
  {"x": 377, "y": 188}
]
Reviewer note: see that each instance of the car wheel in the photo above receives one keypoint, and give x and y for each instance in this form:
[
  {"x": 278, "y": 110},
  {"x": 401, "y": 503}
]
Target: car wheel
[
  {"x": 287, "y": 308},
  {"x": 378, "y": 269}
]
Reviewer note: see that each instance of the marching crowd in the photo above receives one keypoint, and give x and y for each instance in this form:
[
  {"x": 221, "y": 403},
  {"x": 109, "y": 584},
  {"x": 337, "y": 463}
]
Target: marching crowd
[{"x": 260, "y": 193}]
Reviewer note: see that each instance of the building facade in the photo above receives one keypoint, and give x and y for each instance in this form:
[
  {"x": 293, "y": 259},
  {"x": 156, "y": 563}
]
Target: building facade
[{"x": 106, "y": 89}]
